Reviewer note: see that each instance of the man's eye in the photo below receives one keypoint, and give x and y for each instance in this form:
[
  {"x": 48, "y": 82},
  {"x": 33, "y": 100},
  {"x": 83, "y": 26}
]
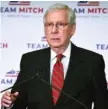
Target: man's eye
[
  {"x": 50, "y": 24},
  {"x": 61, "y": 24}
]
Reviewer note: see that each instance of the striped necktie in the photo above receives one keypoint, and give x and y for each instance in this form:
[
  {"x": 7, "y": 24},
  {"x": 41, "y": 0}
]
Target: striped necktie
[{"x": 57, "y": 78}]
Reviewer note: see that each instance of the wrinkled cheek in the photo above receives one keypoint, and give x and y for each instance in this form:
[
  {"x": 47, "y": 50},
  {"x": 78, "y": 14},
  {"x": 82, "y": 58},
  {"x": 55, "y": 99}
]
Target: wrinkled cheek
[{"x": 48, "y": 40}]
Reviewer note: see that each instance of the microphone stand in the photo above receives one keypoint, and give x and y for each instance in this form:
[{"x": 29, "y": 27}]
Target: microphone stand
[
  {"x": 63, "y": 93},
  {"x": 33, "y": 77}
]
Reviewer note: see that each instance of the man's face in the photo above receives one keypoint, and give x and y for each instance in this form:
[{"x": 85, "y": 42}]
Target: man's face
[{"x": 58, "y": 31}]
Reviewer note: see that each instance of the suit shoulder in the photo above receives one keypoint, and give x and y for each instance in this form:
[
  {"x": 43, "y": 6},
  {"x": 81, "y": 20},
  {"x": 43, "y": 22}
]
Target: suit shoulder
[
  {"x": 37, "y": 52},
  {"x": 89, "y": 53}
]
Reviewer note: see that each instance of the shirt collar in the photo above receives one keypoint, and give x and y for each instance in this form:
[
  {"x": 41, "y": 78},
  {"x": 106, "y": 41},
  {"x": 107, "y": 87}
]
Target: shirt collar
[{"x": 66, "y": 52}]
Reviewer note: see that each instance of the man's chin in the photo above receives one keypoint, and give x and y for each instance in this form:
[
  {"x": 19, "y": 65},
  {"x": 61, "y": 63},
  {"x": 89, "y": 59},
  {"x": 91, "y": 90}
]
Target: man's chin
[{"x": 55, "y": 46}]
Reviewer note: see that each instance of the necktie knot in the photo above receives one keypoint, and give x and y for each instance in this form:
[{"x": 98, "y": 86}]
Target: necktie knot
[{"x": 59, "y": 57}]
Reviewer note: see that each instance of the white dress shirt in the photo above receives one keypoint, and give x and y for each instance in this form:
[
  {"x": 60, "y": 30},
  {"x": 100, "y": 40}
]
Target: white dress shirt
[{"x": 65, "y": 60}]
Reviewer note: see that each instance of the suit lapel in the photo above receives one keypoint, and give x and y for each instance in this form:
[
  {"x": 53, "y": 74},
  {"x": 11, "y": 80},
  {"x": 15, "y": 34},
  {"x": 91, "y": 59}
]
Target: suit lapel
[
  {"x": 70, "y": 88},
  {"x": 45, "y": 65},
  {"x": 73, "y": 65},
  {"x": 45, "y": 75}
]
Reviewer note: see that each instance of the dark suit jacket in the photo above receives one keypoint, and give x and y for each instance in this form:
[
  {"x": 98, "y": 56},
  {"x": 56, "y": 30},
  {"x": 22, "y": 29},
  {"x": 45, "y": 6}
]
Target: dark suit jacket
[{"x": 84, "y": 83}]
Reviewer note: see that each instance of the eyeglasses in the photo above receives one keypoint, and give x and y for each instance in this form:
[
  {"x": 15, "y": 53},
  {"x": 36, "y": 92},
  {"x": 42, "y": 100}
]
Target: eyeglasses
[{"x": 59, "y": 25}]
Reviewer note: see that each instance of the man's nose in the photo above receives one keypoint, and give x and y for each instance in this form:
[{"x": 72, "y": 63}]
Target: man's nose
[{"x": 54, "y": 29}]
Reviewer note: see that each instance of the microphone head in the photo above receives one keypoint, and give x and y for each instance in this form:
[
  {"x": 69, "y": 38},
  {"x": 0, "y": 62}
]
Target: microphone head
[{"x": 37, "y": 74}]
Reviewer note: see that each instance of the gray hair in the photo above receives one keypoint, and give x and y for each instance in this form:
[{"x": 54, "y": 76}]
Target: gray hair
[{"x": 59, "y": 6}]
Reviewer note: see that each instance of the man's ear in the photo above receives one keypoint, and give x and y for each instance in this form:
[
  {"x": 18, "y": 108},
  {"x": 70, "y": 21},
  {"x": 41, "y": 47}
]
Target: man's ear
[{"x": 73, "y": 29}]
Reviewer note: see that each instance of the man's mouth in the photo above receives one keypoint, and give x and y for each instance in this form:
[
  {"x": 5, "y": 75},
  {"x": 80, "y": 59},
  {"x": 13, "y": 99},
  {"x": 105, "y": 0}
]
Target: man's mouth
[{"x": 55, "y": 39}]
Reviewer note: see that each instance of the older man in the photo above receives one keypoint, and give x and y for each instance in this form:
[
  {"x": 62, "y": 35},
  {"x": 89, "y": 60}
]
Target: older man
[{"x": 69, "y": 77}]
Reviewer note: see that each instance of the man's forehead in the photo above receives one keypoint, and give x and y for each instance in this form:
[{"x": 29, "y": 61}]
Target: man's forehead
[
  {"x": 56, "y": 11},
  {"x": 56, "y": 16}
]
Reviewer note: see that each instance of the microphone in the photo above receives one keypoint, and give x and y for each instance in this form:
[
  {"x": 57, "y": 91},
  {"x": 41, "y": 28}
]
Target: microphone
[{"x": 22, "y": 82}]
